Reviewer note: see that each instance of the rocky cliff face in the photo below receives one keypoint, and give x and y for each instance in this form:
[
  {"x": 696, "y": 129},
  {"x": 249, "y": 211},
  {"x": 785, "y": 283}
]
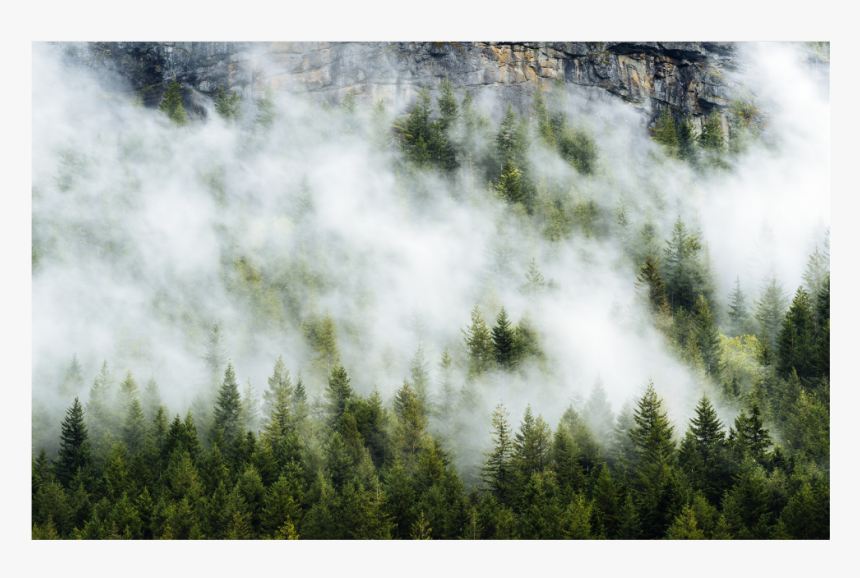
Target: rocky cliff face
[{"x": 691, "y": 77}]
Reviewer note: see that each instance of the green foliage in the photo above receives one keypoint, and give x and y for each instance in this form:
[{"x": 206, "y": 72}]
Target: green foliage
[
  {"x": 497, "y": 471},
  {"x": 74, "y": 452},
  {"x": 227, "y": 105},
  {"x": 665, "y": 133},
  {"x": 171, "y": 104},
  {"x": 228, "y": 408}
]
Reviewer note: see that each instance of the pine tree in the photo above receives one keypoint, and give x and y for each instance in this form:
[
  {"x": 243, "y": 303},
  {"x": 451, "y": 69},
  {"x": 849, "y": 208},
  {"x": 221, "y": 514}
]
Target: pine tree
[
  {"x": 652, "y": 442},
  {"x": 250, "y": 418},
  {"x": 74, "y": 451},
  {"x": 651, "y": 287},
  {"x": 503, "y": 341},
  {"x": 420, "y": 373},
  {"x": 134, "y": 428},
  {"x": 151, "y": 399},
  {"x": 280, "y": 381},
  {"x": 128, "y": 391},
  {"x": 478, "y": 344},
  {"x": 737, "y": 310},
  {"x": 684, "y": 276},
  {"x": 227, "y": 105},
  {"x": 171, "y": 104},
  {"x": 665, "y": 133},
  {"x": 712, "y": 140},
  {"x": 542, "y": 119},
  {"x": 496, "y": 471},
  {"x": 531, "y": 446},
  {"x": 598, "y": 411},
  {"x": 338, "y": 393},
  {"x": 535, "y": 283},
  {"x": 687, "y": 150},
  {"x": 411, "y": 432},
  {"x": 228, "y": 408},
  {"x": 447, "y": 392},
  {"x": 267, "y": 111},
  {"x": 816, "y": 273},
  {"x": 73, "y": 382},
  {"x": 447, "y": 103},
  {"x": 770, "y": 309},
  {"x": 708, "y": 338},
  {"x": 510, "y": 186},
  {"x": 749, "y": 433},
  {"x": 796, "y": 340}
]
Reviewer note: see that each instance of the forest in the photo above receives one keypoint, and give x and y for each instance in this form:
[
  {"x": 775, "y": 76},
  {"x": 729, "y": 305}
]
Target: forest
[{"x": 314, "y": 320}]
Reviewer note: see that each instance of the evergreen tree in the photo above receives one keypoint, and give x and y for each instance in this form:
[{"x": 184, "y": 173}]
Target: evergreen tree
[
  {"x": 420, "y": 373},
  {"x": 708, "y": 338},
  {"x": 73, "y": 382},
  {"x": 267, "y": 111},
  {"x": 531, "y": 446},
  {"x": 496, "y": 471},
  {"x": 134, "y": 428},
  {"x": 535, "y": 283},
  {"x": 712, "y": 140},
  {"x": 651, "y": 287},
  {"x": 171, "y": 104},
  {"x": 338, "y": 393},
  {"x": 685, "y": 278},
  {"x": 279, "y": 382},
  {"x": 737, "y": 310},
  {"x": 665, "y": 133},
  {"x": 447, "y": 392},
  {"x": 816, "y": 273},
  {"x": 228, "y": 408},
  {"x": 478, "y": 344},
  {"x": 250, "y": 418},
  {"x": 510, "y": 187},
  {"x": 151, "y": 399},
  {"x": 128, "y": 391},
  {"x": 503, "y": 341},
  {"x": 598, "y": 412},
  {"x": 74, "y": 451},
  {"x": 411, "y": 432},
  {"x": 770, "y": 309},
  {"x": 227, "y": 105},
  {"x": 687, "y": 150},
  {"x": 447, "y": 103},
  {"x": 796, "y": 340},
  {"x": 749, "y": 434}
]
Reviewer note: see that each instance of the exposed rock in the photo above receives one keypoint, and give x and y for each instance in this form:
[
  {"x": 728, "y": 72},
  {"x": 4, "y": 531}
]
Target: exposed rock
[{"x": 690, "y": 77}]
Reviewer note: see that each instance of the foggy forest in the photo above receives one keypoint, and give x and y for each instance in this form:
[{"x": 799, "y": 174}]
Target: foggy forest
[{"x": 306, "y": 319}]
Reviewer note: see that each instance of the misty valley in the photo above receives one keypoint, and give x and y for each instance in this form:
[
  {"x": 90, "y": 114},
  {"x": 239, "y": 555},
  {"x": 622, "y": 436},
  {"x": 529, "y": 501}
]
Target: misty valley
[{"x": 449, "y": 316}]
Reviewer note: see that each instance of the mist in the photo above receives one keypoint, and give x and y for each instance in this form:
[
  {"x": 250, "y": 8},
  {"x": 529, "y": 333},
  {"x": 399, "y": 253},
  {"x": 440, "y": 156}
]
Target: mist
[{"x": 148, "y": 234}]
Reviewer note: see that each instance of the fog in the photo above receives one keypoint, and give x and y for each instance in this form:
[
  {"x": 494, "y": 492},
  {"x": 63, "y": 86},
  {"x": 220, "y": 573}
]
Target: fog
[{"x": 139, "y": 225}]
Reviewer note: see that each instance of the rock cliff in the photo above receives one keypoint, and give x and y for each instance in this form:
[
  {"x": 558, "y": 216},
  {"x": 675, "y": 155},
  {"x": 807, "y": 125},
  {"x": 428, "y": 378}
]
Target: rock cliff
[{"x": 691, "y": 77}]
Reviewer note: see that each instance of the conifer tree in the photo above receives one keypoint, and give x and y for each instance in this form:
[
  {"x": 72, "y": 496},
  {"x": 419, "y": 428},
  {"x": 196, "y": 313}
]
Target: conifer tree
[
  {"x": 749, "y": 433},
  {"x": 411, "y": 432},
  {"x": 267, "y": 111},
  {"x": 420, "y": 373},
  {"x": 227, "y": 105},
  {"x": 542, "y": 119},
  {"x": 280, "y": 381},
  {"x": 770, "y": 309},
  {"x": 665, "y": 133},
  {"x": 447, "y": 392},
  {"x": 510, "y": 186},
  {"x": 338, "y": 393},
  {"x": 447, "y": 103},
  {"x": 535, "y": 283},
  {"x": 171, "y": 103},
  {"x": 598, "y": 411},
  {"x": 151, "y": 399},
  {"x": 503, "y": 341},
  {"x": 128, "y": 391},
  {"x": 478, "y": 344},
  {"x": 73, "y": 381},
  {"x": 134, "y": 428},
  {"x": 652, "y": 435},
  {"x": 684, "y": 275},
  {"x": 737, "y": 313},
  {"x": 250, "y": 418},
  {"x": 796, "y": 340},
  {"x": 531, "y": 446},
  {"x": 816, "y": 273},
  {"x": 496, "y": 471},
  {"x": 687, "y": 149},
  {"x": 74, "y": 451},
  {"x": 651, "y": 287},
  {"x": 708, "y": 338},
  {"x": 712, "y": 140},
  {"x": 228, "y": 408}
]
